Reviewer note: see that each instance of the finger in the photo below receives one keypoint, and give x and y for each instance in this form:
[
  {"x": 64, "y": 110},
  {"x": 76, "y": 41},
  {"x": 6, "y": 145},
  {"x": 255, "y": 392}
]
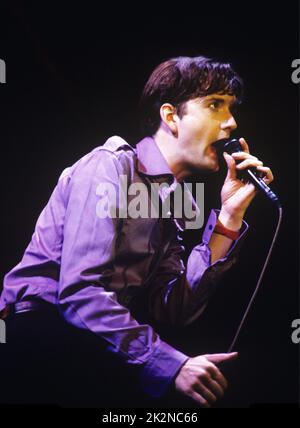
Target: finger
[
  {"x": 206, "y": 393},
  {"x": 244, "y": 145},
  {"x": 195, "y": 396},
  {"x": 243, "y": 155},
  {"x": 249, "y": 163},
  {"x": 217, "y": 378},
  {"x": 231, "y": 165},
  {"x": 220, "y": 358},
  {"x": 268, "y": 175},
  {"x": 216, "y": 387}
]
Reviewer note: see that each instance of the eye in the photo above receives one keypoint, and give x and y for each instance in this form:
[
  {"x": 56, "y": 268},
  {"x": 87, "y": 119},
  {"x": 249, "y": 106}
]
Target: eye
[{"x": 215, "y": 105}]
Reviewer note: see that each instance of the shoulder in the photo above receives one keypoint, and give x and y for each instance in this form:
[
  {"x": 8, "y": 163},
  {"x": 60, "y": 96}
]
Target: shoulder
[{"x": 115, "y": 153}]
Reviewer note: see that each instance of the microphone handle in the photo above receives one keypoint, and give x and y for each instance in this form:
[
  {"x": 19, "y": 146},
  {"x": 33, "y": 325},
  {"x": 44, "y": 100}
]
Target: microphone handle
[
  {"x": 261, "y": 185},
  {"x": 232, "y": 146}
]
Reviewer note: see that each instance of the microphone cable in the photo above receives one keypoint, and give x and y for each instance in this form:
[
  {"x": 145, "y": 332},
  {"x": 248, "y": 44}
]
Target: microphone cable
[{"x": 257, "y": 288}]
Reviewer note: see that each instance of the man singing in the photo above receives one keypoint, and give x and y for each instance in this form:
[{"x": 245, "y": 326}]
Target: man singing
[{"x": 91, "y": 289}]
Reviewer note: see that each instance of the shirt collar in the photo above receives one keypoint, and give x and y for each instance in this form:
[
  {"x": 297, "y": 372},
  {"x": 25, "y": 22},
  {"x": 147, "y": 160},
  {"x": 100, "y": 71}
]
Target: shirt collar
[{"x": 150, "y": 159}]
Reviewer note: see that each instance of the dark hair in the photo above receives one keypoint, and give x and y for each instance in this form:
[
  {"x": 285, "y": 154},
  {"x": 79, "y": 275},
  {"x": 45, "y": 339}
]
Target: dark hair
[{"x": 185, "y": 78}]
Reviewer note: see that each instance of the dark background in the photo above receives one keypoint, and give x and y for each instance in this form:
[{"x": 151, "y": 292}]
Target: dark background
[{"x": 74, "y": 76}]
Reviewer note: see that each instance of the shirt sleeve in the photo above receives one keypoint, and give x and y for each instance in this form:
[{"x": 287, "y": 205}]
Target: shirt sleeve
[
  {"x": 86, "y": 268},
  {"x": 179, "y": 292}
]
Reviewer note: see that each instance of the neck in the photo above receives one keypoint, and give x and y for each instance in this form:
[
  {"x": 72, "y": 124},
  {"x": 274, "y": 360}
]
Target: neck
[{"x": 169, "y": 147}]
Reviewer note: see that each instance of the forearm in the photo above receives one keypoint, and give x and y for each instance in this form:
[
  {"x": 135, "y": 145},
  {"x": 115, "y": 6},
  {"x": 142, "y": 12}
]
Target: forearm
[
  {"x": 180, "y": 294},
  {"x": 220, "y": 244},
  {"x": 97, "y": 310}
]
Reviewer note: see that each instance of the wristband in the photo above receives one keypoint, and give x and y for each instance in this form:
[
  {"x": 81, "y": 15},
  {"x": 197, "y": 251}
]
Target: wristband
[{"x": 222, "y": 230}]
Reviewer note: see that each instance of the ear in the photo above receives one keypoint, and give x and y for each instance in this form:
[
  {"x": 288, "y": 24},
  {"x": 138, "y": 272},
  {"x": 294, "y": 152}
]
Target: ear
[{"x": 168, "y": 115}]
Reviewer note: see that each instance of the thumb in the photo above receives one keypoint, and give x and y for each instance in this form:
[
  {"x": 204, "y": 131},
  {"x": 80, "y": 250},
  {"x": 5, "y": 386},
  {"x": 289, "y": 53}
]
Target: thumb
[
  {"x": 231, "y": 165},
  {"x": 220, "y": 358}
]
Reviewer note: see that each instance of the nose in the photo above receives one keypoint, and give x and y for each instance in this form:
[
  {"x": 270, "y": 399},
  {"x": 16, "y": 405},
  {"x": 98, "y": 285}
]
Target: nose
[{"x": 229, "y": 124}]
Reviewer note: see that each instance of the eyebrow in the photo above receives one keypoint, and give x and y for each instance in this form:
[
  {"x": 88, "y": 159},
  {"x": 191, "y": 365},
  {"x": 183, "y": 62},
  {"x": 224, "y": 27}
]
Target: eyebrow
[{"x": 232, "y": 103}]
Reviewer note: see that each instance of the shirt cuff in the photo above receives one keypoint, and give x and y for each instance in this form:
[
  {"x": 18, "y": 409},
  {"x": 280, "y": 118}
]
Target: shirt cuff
[{"x": 161, "y": 369}]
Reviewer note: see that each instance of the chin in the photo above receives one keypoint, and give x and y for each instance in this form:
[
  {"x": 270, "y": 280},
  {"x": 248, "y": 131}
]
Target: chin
[
  {"x": 207, "y": 164},
  {"x": 212, "y": 170},
  {"x": 216, "y": 168},
  {"x": 212, "y": 167},
  {"x": 208, "y": 169}
]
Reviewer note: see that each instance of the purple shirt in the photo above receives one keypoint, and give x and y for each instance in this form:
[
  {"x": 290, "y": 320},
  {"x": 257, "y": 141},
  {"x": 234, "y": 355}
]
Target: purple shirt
[{"x": 96, "y": 269}]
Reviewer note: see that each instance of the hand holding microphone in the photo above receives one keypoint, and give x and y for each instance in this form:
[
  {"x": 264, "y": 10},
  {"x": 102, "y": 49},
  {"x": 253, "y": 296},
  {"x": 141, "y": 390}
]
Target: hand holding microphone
[{"x": 234, "y": 148}]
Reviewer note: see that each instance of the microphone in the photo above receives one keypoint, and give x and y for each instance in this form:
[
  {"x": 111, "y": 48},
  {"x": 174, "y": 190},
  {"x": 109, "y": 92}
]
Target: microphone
[{"x": 252, "y": 174}]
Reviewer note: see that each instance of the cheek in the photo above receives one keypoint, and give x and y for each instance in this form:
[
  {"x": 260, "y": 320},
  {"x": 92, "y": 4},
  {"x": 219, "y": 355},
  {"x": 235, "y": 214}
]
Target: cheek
[{"x": 196, "y": 130}]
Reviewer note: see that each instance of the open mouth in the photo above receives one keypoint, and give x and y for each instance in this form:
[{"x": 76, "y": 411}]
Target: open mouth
[
  {"x": 213, "y": 153},
  {"x": 213, "y": 149},
  {"x": 219, "y": 144}
]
